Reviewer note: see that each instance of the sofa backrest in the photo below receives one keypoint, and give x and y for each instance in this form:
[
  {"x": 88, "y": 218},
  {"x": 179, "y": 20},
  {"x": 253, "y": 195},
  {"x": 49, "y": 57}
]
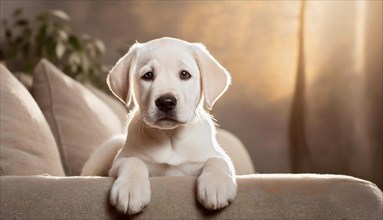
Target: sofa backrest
[{"x": 81, "y": 118}]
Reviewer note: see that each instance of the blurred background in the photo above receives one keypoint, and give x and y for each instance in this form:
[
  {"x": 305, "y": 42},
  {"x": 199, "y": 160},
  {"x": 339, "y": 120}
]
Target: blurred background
[{"x": 307, "y": 76}]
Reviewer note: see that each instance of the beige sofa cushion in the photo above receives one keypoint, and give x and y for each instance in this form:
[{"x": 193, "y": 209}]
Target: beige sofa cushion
[
  {"x": 236, "y": 151},
  {"x": 116, "y": 105},
  {"x": 27, "y": 144},
  {"x": 79, "y": 120}
]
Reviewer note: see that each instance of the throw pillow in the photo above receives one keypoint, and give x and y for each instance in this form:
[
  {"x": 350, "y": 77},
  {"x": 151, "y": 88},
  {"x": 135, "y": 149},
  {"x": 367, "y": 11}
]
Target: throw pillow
[
  {"x": 116, "y": 105},
  {"x": 79, "y": 120},
  {"x": 27, "y": 144}
]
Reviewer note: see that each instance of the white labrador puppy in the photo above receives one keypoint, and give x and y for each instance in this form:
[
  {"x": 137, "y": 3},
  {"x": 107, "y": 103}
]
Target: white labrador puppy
[{"x": 169, "y": 132}]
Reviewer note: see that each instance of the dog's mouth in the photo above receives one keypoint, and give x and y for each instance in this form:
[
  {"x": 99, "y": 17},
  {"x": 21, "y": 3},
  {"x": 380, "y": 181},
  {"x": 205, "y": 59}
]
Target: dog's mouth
[
  {"x": 165, "y": 120},
  {"x": 167, "y": 123},
  {"x": 170, "y": 119}
]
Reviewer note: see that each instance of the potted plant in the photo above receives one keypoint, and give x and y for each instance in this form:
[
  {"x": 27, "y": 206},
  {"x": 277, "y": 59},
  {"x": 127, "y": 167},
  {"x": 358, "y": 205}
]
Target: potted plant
[{"x": 48, "y": 35}]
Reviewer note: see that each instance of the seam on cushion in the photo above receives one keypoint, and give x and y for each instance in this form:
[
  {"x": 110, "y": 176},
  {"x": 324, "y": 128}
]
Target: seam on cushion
[{"x": 63, "y": 157}]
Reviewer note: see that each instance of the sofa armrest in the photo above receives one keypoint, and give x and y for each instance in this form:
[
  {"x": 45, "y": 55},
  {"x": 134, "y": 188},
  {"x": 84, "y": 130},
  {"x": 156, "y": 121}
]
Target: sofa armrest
[{"x": 260, "y": 196}]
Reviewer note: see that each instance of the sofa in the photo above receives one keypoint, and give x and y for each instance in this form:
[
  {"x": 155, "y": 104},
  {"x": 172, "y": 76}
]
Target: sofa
[{"x": 51, "y": 124}]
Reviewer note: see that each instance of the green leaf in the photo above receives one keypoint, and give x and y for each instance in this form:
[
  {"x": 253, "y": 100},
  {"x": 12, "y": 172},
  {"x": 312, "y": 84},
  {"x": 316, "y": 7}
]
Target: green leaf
[
  {"x": 84, "y": 63},
  {"x": 75, "y": 43},
  {"x": 74, "y": 69},
  {"x": 49, "y": 35},
  {"x": 42, "y": 17},
  {"x": 22, "y": 22},
  {"x": 50, "y": 47},
  {"x": 60, "y": 14},
  {"x": 41, "y": 38},
  {"x": 63, "y": 35},
  {"x": 60, "y": 50},
  {"x": 28, "y": 66},
  {"x": 74, "y": 59},
  {"x": 60, "y": 26},
  {"x": 100, "y": 46},
  {"x": 8, "y": 34},
  {"x": 43, "y": 30}
]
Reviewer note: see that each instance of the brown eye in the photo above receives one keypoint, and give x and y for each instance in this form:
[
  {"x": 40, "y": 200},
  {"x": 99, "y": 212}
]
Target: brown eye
[
  {"x": 148, "y": 76},
  {"x": 184, "y": 75}
]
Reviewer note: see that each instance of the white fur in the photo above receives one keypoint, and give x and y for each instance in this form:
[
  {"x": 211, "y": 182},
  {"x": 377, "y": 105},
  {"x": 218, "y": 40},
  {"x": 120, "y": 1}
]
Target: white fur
[{"x": 184, "y": 146}]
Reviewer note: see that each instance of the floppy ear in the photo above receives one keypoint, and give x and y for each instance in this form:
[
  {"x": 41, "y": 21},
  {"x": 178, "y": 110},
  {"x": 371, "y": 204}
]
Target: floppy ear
[
  {"x": 215, "y": 78},
  {"x": 118, "y": 77}
]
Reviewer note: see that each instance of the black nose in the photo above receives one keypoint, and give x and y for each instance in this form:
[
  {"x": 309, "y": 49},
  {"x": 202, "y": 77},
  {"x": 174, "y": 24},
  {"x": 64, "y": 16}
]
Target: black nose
[{"x": 166, "y": 103}]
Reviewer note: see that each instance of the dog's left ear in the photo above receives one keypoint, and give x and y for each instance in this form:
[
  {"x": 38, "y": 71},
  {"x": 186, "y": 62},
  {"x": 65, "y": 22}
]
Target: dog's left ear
[
  {"x": 215, "y": 78},
  {"x": 118, "y": 77}
]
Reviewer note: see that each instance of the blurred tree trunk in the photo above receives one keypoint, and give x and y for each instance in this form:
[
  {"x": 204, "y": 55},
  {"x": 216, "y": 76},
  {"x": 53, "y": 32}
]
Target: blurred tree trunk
[{"x": 299, "y": 151}]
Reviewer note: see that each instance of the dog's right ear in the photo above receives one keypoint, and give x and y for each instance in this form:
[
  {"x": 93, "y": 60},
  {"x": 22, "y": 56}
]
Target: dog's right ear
[{"x": 118, "y": 78}]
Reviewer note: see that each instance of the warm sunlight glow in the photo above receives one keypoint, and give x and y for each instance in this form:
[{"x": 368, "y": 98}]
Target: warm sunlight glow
[
  {"x": 359, "y": 36},
  {"x": 251, "y": 51}
]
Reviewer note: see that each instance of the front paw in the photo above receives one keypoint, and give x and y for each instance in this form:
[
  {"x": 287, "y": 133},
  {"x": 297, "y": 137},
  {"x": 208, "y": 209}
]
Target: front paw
[
  {"x": 216, "y": 191},
  {"x": 129, "y": 195}
]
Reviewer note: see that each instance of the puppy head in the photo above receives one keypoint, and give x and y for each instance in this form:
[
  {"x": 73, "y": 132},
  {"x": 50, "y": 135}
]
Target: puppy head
[{"x": 167, "y": 78}]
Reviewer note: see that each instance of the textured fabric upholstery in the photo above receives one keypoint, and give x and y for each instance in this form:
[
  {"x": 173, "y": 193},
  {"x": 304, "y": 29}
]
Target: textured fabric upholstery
[
  {"x": 236, "y": 151},
  {"x": 79, "y": 120},
  {"x": 27, "y": 144},
  {"x": 266, "y": 196},
  {"x": 116, "y": 105}
]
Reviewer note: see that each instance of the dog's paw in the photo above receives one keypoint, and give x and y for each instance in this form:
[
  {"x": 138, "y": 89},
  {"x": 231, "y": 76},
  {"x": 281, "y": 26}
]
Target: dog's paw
[
  {"x": 216, "y": 191},
  {"x": 129, "y": 195}
]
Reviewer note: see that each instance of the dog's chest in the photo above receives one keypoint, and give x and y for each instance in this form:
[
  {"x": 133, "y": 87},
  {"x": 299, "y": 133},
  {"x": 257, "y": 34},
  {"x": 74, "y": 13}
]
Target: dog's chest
[
  {"x": 177, "y": 158},
  {"x": 180, "y": 153},
  {"x": 185, "y": 169}
]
